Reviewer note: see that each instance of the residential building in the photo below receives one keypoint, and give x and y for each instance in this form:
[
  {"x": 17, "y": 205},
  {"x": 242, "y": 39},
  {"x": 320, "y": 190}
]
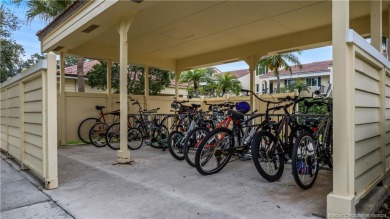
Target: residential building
[{"x": 318, "y": 75}]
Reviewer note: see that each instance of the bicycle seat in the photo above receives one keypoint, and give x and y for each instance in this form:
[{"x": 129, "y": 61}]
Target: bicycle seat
[
  {"x": 235, "y": 115},
  {"x": 100, "y": 107},
  {"x": 195, "y": 105}
]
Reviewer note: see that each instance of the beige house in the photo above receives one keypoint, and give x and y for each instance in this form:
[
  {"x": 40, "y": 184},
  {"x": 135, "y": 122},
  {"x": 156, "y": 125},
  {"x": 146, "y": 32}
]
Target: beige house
[{"x": 318, "y": 75}]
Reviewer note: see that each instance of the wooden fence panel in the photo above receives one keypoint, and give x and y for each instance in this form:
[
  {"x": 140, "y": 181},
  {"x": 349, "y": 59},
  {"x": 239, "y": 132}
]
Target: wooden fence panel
[
  {"x": 33, "y": 120},
  {"x": 369, "y": 166},
  {"x": 29, "y": 120}
]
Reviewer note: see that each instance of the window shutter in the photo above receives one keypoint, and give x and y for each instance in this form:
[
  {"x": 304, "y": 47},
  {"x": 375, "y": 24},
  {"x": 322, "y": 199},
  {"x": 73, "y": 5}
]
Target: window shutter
[{"x": 319, "y": 81}]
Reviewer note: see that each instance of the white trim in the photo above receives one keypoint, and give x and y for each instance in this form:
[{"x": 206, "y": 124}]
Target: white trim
[
  {"x": 302, "y": 75},
  {"x": 356, "y": 39}
]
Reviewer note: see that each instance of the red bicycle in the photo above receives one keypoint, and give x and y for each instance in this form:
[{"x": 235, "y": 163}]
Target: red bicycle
[{"x": 86, "y": 125}]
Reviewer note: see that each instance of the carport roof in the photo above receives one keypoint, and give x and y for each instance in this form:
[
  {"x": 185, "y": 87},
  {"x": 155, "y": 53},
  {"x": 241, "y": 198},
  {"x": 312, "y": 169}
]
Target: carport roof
[{"x": 185, "y": 34}]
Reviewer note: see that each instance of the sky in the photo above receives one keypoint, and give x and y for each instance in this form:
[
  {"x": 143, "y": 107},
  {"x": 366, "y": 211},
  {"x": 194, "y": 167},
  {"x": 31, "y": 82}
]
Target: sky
[
  {"x": 26, "y": 37},
  {"x": 26, "y": 34}
]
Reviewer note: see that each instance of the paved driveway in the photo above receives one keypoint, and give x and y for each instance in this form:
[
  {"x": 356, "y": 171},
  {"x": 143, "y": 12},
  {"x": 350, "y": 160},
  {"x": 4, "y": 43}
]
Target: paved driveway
[{"x": 156, "y": 185}]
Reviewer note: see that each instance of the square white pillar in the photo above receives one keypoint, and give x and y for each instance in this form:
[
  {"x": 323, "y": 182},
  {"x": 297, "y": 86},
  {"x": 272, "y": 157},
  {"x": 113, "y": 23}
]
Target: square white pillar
[{"x": 123, "y": 155}]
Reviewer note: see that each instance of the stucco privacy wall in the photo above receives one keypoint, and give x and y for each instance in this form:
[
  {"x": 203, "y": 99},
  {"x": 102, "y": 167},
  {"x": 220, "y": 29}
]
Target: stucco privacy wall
[
  {"x": 371, "y": 100},
  {"x": 80, "y": 106},
  {"x": 29, "y": 120}
]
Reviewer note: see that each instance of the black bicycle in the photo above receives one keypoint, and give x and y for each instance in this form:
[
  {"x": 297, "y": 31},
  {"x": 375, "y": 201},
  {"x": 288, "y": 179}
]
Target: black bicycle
[{"x": 272, "y": 147}]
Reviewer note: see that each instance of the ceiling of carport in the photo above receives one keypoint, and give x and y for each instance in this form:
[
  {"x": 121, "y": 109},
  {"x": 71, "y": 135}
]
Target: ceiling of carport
[{"x": 163, "y": 32}]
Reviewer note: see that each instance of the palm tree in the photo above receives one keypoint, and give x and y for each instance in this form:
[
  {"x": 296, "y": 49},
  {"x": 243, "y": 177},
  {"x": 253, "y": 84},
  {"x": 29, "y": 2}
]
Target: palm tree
[
  {"x": 47, "y": 10},
  {"x": 196, "y": 76},
  {"x": 276, "y": 62},
  {"x": 228, "y": 82},
  {"x": 300, "y": 85}
]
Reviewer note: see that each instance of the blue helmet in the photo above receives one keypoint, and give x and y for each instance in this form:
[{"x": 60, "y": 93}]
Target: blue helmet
[{"x": 243, "y": 107}]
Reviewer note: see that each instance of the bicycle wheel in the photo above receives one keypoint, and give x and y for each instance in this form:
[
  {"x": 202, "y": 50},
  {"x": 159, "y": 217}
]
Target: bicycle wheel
[
  {"x": 304, "y": 161},
  {"x": 159, "y": 137},
  {"x": 175, "y": 145},
  {"x": 134, "y": 139},
  {"x": 97, "y": 134},
  {"x": 268, "y": 160},
  {"x": 295, "y": 132},
  {"x": 112, "y": 136},
  {"x": 212, "y": 155},
  {"x": 191, "y": 143},
  {"x": 84, "y": 128}
]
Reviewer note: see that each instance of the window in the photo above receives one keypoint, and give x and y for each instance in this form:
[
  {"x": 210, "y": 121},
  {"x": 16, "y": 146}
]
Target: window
[
  {"x": 257, "y": 88},
  {"x": 313, "y": 81},
  {"x": 261, "y": 70},
  {"x": 288, "y": 82}
]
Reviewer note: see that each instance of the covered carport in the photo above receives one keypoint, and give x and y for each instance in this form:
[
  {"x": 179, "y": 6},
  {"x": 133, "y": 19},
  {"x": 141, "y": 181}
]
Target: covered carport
[{"x": 179, "y": 35}]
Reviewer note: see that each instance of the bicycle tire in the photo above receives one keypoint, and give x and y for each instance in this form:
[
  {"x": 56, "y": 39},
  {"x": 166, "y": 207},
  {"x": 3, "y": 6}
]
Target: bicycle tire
[
  {"x": 160, "y": 136},
  {"x": 84, "y": 128},
  {"x": 113, "y": 136},
  {"x": 304, "y": 166},
  {"x": 98, "y": 133},
  {"x": 191, "y": 143},
  {"x": 176, "y": 150},
  {"x": 216, "y": 152},
  {"x": 272, "y": 156},
  {"x": 295, "y": 132},
  {"x": 134, "y": 139}
]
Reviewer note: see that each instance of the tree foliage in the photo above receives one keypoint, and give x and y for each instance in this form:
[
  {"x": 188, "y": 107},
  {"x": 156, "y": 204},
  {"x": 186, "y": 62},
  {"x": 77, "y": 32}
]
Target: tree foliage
[
  {"x": 196, "y": 76},
  {"x": 33, "y": 60},
  {"x": 297, "y": 84},
  {"x": 45, "y": 10},
  {"x": 281, "y": 61},
  {"x": 228, "y": 82},
  {"x": 158, "y": 79},
  {"x": 11, "y": 51}
]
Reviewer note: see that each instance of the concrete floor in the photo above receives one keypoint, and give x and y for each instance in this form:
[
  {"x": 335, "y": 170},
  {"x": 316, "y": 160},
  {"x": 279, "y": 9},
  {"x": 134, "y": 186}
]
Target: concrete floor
[
  {"x": 20, "y": 198},
  {"x": 156, "y": 185}
]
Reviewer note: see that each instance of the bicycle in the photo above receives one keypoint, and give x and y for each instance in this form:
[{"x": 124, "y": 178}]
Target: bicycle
[
  {"x": 195, "y": 136},
  {"x": 180, "y": 116},
  {"x": 219, "y": 145},
  {"x": 135, "y": 137},
  {"x": 312, "y": 151},
  {"x": 272, "y": 147},
  {"x": 86, "y": 125},
  {"x": 177, "y": 140},
  {"x": 154, "y": 133}
]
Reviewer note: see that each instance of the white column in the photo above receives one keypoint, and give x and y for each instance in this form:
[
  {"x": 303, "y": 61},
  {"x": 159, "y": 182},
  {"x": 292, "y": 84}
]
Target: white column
[
  {"x": 252, "y": 61},
  {"x": 109, "y": 84},
  {"x": 342, "y": 199},
  {"x": 146, "y": 83},
  {"x": 123, "y": 155},
  {"x": 49, "y": 82},
  {"x": 177, "y": 78},
  {"x": 376, "y": 24},
  {"x": 62, "y": 101}
]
